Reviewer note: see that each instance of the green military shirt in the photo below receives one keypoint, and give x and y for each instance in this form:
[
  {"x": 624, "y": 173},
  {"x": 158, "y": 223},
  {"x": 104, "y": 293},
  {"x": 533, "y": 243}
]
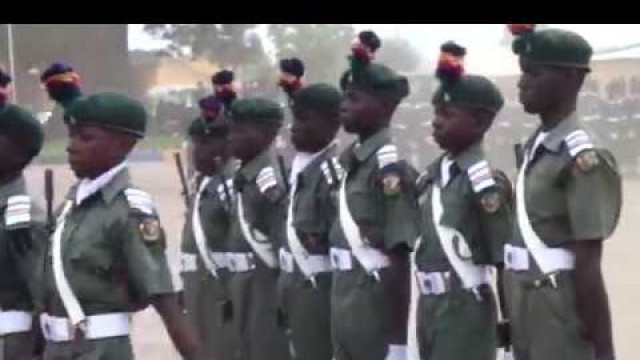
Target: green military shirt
[
  {"x": 573, "y": 189},
  {"x": 215, "y": 214},
  {"x": 478, "y": 207},
  {"x": 385, "y": 206},
  {"x": 315, "y": 201},
  {"x": 113, "y": 250},
  {"x": 21, "y": 221},
  {"x": 264, "y": 199}
]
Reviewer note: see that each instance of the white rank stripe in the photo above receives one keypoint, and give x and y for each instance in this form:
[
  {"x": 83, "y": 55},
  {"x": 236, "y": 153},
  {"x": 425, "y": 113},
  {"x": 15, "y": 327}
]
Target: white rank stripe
[
  {"x": 266, "y": 179},
  {"x": 327, "y": 172},
  {"x": 577, "y": 141},
  {"x": 222, "y": 194},
  {"x": 388, "y": 154},
  {"x": 140, "y": 200},
  {"x": 18, "y": 210},
  {"x": 480, "y": 176},
  {"x": 69, "y": 300}
]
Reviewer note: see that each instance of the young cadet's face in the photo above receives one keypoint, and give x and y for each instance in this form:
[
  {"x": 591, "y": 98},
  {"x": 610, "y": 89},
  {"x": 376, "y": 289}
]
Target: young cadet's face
[
  {"x": 93, "y": 150},
  {"x": 248, "y": 140},
  {"x": 455, "y": 128},
  {"x": 360, "y": 112},
  {"x": 541, "y": 87},
  {"x": 312, "y": 132},
  {"x": 209, "y": 154}
]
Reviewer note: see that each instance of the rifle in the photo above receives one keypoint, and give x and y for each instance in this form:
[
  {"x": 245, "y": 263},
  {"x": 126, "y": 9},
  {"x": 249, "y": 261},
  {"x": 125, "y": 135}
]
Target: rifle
[
  {"x": 283, "y": 172},
  {"x": 518, "y": 150},
  {"x": 183, "y": 179},
  {"x": 48, "y": 195}
]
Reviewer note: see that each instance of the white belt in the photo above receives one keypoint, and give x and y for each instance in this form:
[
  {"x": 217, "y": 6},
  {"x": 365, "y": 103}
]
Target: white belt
[
  {"x": 12, "y": 322},
  {"x": 240, "y": 262},
  {"x": 60, "y": 329},
  {"x": 516, "y": 258},
  {"x": 341, "y": 259},
  {"x": 433, "y": 283},
  {"x": 189, "y": 262},
  {"x": 219, "y": 258},
  {"x": 315, "y": 263},
  {"x": 438, "y": 283}
]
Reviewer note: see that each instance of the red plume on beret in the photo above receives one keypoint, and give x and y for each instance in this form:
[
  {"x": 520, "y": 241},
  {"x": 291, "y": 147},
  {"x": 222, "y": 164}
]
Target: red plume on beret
[
  {"x": 291, "y": 73},
  {"x": 451, "y": 62},
  {"x": 365, "y": 46},
  {"x": 521, "y": 29},
  {"x": 223, "y": 87}
]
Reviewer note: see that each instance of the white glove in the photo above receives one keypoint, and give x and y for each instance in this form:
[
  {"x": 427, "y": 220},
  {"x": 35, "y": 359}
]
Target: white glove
[
  {"x": 397, "y": 352},
  {"x": 507, "y": 355}
]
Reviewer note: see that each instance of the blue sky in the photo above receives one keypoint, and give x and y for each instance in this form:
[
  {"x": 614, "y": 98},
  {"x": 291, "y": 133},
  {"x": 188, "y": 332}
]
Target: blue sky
[{"x": 485, "y": 55}]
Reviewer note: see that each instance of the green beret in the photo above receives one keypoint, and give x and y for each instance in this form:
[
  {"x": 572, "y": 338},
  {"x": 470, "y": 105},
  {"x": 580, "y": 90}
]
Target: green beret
[
  {"x": 376, "y": 78},
  {"x": 257, "y": 110},
  {"x": 322, "y": 98},
  {"x": 110, "y": 110},
  {"x": 21, "y": 125},
  {"x": 554, "y": 47},
  {"x": 471, "y": 91}
]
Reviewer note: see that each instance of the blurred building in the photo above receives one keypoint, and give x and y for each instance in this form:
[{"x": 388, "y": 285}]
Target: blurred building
[{"x": 99, "y": 52}]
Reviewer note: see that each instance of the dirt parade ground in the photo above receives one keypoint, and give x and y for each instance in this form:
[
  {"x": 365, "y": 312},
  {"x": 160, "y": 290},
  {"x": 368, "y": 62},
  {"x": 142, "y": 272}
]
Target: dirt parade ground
[{"x": 621, "y": 267}]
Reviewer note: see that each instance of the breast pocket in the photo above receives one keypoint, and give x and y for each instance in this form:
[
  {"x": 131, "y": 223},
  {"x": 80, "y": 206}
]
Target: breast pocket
[
  {"x": 456, "y": 209},
  {"x": 363, "y": 201},
  {"x": 307, "y": 213},
  {"x": 92, "y": 252}
]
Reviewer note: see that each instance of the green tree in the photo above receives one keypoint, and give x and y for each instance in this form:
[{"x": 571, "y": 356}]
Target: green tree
[
  {"x": 323, "y": 47},
  {"x": 229, "y": 45}
]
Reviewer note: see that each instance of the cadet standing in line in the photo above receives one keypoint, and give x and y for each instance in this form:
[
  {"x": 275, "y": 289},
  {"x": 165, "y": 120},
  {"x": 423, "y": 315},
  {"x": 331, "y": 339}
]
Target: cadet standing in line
[
  {"x": 305, "y": 277},
  {"x": 107, "y": 255},
  {"x": 22, "y": 229},
  {"x": 377, "y": 217},
  {"x": 257, "y": 231},
  {"x": 466, "y": 219},
  {"x": 206, "y": 230},
  {"x": 568, "y": 201}
]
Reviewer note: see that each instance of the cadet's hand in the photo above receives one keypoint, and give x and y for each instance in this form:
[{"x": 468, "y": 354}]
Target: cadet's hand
[
  {"x": 504, "y": 334},
  {"x": 181, "y": 334}
]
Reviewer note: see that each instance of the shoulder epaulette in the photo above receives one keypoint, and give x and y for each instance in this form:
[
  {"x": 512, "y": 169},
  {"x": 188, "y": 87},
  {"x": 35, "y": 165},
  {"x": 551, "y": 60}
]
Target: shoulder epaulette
[{"x": 140, "y": 200}]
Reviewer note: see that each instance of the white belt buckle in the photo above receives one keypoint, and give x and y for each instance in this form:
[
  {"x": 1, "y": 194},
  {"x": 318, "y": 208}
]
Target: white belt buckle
[
  {"x": 188, "y": 262},
  {"x": 516, "y": 258},
  {"x": 341, "y": 259},
  {"x": 433, "y": 283},
  {"x": 286, "y": 261}
]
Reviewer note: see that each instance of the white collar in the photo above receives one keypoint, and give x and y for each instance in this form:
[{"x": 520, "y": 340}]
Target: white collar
[
  {"x": 88, "y": 187},
  {"x": 539, "y": 139},
  {"x": 445, "y": 172},
  {"x": 301, "y": 161}
]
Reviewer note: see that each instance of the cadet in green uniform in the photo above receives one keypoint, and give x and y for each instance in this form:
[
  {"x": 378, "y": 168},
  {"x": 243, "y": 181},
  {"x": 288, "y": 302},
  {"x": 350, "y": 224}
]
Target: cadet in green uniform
[
  {"x": 376, "y": 226},
  {"x": 257, "y": 232},
  {"x": 568, "y": 200},
  {"x": 22, "y": 232},
  {"x": 206, "y": 230},
  {"x": 466, "y": 218},
  {"x": 305, "y": 277},
  {"x": 107, "y": 255}
]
